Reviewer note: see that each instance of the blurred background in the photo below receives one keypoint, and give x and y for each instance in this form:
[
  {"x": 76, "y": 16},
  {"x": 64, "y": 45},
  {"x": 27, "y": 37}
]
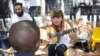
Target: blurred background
[
  {"x": 88, "y": 10},
  {"x": 41, "y": 10}
]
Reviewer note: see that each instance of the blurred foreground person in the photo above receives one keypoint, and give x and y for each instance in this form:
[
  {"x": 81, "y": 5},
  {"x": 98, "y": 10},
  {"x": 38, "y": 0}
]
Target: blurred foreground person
[{"x": 24, "y": 37}]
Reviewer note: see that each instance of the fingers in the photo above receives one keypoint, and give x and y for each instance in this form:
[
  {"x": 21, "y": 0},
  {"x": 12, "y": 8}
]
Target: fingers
[
  {"x": 72, "y": 34},
  {"x": 73, "y": 37}
]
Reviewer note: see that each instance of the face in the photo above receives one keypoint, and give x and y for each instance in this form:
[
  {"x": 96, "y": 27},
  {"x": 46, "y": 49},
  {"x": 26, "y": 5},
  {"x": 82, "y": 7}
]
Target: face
[
  {"x": 19, "y": 10},
  {"x": 57, "y": 21}
]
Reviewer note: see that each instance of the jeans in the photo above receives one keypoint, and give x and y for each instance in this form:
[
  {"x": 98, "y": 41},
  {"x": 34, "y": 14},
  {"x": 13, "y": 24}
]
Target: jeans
[{"x": 59, "y": 50}]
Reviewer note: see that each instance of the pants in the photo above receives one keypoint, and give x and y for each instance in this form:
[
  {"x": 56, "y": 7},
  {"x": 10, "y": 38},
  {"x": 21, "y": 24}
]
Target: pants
[{"x": 59, "y": 50}]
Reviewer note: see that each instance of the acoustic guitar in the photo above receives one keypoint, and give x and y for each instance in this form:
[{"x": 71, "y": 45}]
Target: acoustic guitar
[{"x": 53, "y": 36}]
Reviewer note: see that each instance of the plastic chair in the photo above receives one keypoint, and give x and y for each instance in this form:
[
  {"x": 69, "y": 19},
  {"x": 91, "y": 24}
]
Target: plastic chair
[{"x": 95, "y": 37}]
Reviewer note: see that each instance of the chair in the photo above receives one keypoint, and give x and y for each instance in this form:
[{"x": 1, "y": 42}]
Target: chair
[
  {"x": 95, "y": 37},
  {"x": 4, "y": 43}
]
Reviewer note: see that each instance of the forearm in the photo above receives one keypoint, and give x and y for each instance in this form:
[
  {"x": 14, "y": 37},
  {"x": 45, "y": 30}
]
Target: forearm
[{"x": 73, "y": 38}]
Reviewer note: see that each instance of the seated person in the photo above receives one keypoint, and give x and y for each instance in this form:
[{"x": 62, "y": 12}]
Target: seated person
[
  {"x": 65, "y": 40},
  {"x": 82, "y": 39}
]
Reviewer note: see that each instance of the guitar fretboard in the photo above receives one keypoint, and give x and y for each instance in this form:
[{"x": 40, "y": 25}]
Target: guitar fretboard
[{"x": 63, "y": 32}]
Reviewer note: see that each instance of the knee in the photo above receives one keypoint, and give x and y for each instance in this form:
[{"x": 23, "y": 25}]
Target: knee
[
  {"x": 51, "y": 48},
  {"x": 61, "y": 49}
]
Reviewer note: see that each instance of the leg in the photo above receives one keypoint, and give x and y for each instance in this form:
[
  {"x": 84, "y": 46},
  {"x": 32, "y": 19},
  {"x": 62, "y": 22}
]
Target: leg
[
  {"x": 51, "y": 50},
  {"x": 61, "y": 49},
  {"x": 78, "y": 45},
  {"x": 86, "y": 47}
]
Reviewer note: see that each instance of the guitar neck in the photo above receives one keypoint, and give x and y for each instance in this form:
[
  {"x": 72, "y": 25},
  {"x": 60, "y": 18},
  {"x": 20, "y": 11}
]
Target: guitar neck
[{"x": 64, "y": 32}]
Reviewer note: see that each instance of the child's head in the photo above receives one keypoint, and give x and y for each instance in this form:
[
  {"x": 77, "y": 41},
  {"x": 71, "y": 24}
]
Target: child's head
[{"x": 24, "y": 36}]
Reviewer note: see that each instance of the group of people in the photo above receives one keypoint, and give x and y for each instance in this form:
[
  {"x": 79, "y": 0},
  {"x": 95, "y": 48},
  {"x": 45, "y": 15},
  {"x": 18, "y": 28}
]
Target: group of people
[{"x": 24, "y": 34}]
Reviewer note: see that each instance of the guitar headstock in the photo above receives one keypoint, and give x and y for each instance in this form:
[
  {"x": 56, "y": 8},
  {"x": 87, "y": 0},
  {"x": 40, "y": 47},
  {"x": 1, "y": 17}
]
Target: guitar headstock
[
  {"x": 70, "y": 30},
  {"x": 73, "y": 29}
]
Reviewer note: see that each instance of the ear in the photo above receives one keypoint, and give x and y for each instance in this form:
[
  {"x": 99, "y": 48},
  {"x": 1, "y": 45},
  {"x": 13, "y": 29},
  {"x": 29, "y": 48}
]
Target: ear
[
  {"x": 36, "y": 47},
  {"x": 37, "y": 44}
]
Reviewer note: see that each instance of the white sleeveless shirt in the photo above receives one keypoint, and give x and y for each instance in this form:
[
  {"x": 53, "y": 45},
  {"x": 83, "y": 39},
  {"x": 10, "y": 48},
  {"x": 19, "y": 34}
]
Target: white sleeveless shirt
[{"x": 64, "y": 39}]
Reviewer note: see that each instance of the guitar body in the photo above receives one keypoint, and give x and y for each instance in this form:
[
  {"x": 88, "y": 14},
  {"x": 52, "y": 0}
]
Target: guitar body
[
  {"x": 43, "y": 37},
  {"x": 53, "y": 40}
]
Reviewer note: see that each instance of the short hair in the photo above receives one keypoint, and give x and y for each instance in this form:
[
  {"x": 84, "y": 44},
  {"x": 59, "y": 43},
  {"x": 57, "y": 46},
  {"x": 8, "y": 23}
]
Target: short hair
[
  {"x": 24, "y": 35},
  {"x": 18, "y": 3}
]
